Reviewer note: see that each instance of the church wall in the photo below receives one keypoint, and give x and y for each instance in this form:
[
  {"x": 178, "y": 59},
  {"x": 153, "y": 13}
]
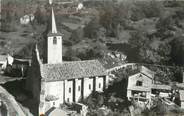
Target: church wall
[
  {"x": 56, "y": 89},
  {"x": 54, "y": 54},
  {"x": 182, "y": 104},
  {"x": 78, "y": 89},
  {"x": 106, "y": 81},
  {"x": 88, "y": 86},
  {"x": 69, "y": 91},
  {"x": 99, "y": 84}
]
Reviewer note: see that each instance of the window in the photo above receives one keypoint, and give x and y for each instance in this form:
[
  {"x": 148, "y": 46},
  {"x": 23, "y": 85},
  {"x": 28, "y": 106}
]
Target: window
[
  {"x": 54, "y": 40},
  {"x": 139, "y": 83},
  {"x": 69, "y": 90},
  {"x": 78, "y": 88},
  {"x": 99, "y": 85},
  {"x": 68, "y": 100},
  {"x": 90, "y": 86}
]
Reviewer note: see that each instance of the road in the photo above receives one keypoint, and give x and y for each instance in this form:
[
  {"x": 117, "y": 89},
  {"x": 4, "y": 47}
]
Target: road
[{"x": 13, "y": 108}]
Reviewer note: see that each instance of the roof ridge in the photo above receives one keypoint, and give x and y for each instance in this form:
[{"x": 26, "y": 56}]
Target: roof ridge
[
  {"x": 79, "y": 61},
  {"x": 65, "y": 62}
]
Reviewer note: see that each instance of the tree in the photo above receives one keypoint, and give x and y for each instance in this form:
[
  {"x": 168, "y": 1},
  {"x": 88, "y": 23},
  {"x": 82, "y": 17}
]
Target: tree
[
  {"x": 8, "y": 17},
  {"x": 139, "y": 44},
  {"x": 94, "y": 100},
  {"x": 113, "y": 16},
  {"x": 147, "y": 9},
  {"x": 177, "y": 51},
  {"x": 39, "y": 17},
  {"x": 77, "y": 35},
  {"x": 91, "y": 29}
]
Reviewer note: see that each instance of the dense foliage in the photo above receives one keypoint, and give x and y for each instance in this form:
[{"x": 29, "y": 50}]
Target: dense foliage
[{"x": 147, "y": 32}]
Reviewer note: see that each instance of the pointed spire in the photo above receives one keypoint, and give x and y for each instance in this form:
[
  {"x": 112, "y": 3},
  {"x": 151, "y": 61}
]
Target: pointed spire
[
  {"x": 54, "y": 29},
  {"x": 50, "y": 2}
]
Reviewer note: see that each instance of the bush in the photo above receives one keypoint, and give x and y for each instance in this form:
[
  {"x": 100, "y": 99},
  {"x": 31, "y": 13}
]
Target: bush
[{"x": 146, "y": 10}]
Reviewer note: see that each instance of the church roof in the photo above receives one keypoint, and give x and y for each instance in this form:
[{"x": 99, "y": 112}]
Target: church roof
[
  {"x": 71, "y": 70},
  {"x": 54, "y": 29},
  {"x": 54, "y": 34}
]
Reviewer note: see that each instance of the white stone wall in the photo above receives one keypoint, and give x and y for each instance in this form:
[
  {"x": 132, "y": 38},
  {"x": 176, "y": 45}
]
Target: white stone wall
[
  {"x": 99, "y": 84},
  {"x": 55, "y": 89},
  {"x": 78, "y": 89},
  {"x": 64, "y": 90},
  {"x": 88, "y": 86},
  {"x": 182, "y": 104},
  {"x": 146, "y": 83},
  {"x": 129, "y": 94},
  {"x": 107, "y": 79},
  {"x": 148, "y": 94},
  {"x": 69, "y": 91},
  {"x": 54, "y": 53}
]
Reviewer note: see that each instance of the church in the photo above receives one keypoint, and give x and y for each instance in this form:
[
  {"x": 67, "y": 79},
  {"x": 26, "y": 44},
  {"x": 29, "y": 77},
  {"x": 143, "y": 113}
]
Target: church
[{"x": 53, "y": 81}]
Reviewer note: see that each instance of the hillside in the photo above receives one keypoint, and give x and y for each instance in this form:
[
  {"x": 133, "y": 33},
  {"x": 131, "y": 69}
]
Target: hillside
[
  {"x": 148, "y": 32},
  {"x": 11, "y": 106}
]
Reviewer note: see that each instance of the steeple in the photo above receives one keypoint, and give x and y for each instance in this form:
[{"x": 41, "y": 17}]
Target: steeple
[
  {"x": 54, "y": 29},
  {"x": 53, "y": 51}
]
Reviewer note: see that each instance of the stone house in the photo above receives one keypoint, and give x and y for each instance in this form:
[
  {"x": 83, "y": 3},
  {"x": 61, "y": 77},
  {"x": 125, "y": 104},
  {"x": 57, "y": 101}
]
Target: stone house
[
  {"x": 54, "y": 81},
  {"x": 139, "y": 84},
  {"x": 142, "y": 85},
  {"x": 17, "y": 67},
  {"x": 26, "y": 19}
]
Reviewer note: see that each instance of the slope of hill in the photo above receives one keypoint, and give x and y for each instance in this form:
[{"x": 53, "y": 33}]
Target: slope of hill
[{"x": 12, "y": 107}]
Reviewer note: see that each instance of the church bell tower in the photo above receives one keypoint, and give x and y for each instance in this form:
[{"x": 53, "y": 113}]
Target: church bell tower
[{"x": 54, "y": 43}]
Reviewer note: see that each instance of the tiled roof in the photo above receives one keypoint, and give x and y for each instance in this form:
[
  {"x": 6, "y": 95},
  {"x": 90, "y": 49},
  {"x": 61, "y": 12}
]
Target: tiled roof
[
  {"x": 71, "y": 70},
  {"x": 22, "y": 61},
  {"x": 146, "y": 71}
]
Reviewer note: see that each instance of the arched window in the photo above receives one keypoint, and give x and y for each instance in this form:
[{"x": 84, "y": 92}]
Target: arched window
[
  {"x": 55, "y": 40},
  {"x": 99, "y": 85},
  {"x": 69, "y": 90},
  {"x": 89, "y": 86},
  {"x": 78, "y": 88}
]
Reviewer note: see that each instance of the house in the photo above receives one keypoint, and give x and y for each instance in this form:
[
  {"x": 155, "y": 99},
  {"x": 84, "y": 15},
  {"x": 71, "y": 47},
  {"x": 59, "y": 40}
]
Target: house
[
  {"x": 17, "y": 67},
  {"x": 26, "y": 19},
  {"x": 54, "y": 81},
  {"x": 139, "y": 84},
  {"x": 142, "y": 85},
  {"x": 80, "y": 7}
]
